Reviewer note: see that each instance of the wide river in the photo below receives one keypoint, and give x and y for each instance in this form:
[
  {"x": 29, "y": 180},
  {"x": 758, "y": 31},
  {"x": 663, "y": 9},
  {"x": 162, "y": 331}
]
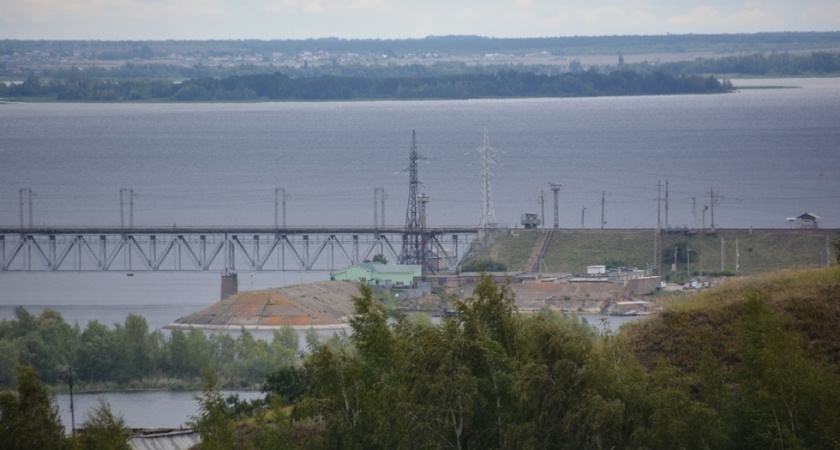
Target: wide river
[{"x": 769, "y": 154}]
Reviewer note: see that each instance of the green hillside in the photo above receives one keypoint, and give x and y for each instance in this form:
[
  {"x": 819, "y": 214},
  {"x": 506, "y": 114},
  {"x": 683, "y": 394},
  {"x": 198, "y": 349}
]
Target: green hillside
[
  {"x": 804, "y": 305},
  {"x": 756, "y": 251}
]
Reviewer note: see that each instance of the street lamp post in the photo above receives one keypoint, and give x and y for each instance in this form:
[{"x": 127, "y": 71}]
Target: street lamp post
[{"x": 67, "y": 374}]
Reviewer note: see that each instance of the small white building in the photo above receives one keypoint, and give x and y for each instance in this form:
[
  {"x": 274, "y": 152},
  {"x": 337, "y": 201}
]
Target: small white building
[
  {"x": 808, "y": 221},
  {"x": 378, "y": 274},
  {"x": 596, "y": 270}
]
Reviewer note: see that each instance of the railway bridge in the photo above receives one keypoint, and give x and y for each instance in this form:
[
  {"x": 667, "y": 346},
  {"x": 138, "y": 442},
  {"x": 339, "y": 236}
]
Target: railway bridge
[{"x": 220, "y": 248}]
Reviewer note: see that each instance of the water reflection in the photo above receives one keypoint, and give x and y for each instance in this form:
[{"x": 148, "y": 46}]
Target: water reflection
[{"x": 146, "y": 409}]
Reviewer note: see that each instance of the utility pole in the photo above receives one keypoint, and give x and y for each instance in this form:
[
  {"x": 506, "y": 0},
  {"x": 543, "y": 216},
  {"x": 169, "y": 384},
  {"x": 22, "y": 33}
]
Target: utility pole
[
  {"x": 25, "y": 200},
  {"x": 658, "y": 231},
  {"x": 542, "y": 206},
  {"x": 278, "y": 192},
  {"x": 378, "y": 194},
  {"x": 21, "y": 193},
  {"x": 556, "y": 188},
  {"x": 722, "y": 255},
  {"x": 382, "y": 197},
  {"x": 712, "y": 203},
  {"x": 603, "y": 195},
  {"x": 68, "y": 375},
  {"x": 688, "y": 262},
  {"x": 694, "y": 210},
  {"x": 279, "y": 205},
  {"x": 127, "y": 193},
  {"x": 658, "y": 206},
  {"x": 131, "y": 208},
  {"x": 674, "y": 267},
  {"x": 423, "y": 199},
  {"x": 827, "y": 252},
  {"x": 655, "y": 254},
  {"x": 582, "y": 211},
  {"x": 666, "y": 203}
]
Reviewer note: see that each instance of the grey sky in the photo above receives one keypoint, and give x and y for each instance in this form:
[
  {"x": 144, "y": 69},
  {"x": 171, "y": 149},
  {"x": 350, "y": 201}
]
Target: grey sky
[{"x": 301, "y": 19}]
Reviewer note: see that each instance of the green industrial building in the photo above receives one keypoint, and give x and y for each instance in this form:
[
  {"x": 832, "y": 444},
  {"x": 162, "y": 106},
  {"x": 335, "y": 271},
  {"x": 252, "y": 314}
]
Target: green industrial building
[{"x": 378, "y": 274}]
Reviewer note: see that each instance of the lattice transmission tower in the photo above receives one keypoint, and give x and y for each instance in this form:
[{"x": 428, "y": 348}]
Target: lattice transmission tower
[
  {"x": 487, "y": 217},
  {"x": 413, "y": 248}
]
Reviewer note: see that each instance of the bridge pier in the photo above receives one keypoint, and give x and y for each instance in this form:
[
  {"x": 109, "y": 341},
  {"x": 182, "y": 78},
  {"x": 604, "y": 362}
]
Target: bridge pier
[{"x": 230, "y": 284}]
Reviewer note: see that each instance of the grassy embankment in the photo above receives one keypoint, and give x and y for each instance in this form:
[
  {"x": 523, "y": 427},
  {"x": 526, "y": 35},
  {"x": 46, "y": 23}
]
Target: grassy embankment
[
  {"x": 805, "y": 303},
  {"x": 759, "y": 251}
]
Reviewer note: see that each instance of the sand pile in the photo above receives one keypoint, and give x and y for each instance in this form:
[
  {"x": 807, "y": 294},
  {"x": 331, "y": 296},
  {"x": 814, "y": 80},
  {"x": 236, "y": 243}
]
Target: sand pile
[{"x": 320, "y": 305}]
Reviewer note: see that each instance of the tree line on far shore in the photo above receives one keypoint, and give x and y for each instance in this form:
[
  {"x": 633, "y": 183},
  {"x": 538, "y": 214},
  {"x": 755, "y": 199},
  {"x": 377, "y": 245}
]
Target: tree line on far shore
[
  {"x": 277, "y": 86},
  {"x": 760, "y": 64}
]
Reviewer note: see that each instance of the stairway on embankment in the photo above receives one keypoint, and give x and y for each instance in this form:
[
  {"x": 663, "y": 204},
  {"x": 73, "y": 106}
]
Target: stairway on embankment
[{"x": 539, "y": 250}]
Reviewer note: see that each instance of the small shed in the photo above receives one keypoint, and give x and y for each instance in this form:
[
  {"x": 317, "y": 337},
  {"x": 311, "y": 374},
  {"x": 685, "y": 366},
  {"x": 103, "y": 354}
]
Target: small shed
[
  {"x": 530, "y": 220},
  {"x": 378, "y": 274},
  {"x": 808, "y": 221}
]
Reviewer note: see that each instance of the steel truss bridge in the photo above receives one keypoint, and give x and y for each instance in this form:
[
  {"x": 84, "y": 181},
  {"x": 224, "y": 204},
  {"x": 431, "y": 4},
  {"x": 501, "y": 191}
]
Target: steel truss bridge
[{"x": 217, "y": 248}]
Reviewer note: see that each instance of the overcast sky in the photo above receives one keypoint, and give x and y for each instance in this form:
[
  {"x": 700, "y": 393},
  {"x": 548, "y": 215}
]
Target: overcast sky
[{"x": 397, "y": 19}]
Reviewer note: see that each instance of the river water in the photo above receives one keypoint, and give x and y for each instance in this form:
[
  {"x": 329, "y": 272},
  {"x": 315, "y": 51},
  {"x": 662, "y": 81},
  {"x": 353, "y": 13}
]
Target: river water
[
  {"x": 146, "y": 409},
  {"x": 768, "y": 153}
]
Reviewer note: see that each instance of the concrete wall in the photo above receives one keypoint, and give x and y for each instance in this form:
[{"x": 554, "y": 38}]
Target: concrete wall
[{"x": 644, "y": 285}]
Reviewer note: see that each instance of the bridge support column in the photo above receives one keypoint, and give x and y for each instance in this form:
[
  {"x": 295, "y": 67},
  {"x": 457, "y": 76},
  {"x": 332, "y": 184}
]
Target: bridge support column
[
  {"x": 455, "y": 255},
  {"x": 103, "y": 252},
  {"x": 283, "y": 252},
  {"x": 51, "y": 251},
  {"x": 230, "y": 284},
  {"x": 152, "y": 251},
  {"x": 256, "y": 251},
  {"x": 202, "y": 250},
  {"x": 28, "y": 253},
  {"x": 230, "y": 264},
  {"x": 79, "y": 240}
]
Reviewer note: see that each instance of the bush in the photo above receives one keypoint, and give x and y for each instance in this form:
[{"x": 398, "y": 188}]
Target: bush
[{"x": 484, "y": 266}]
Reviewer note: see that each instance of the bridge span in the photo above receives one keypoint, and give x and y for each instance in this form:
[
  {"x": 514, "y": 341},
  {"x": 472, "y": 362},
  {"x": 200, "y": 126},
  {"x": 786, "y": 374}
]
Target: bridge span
[{"x": 218, "y": 248}]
